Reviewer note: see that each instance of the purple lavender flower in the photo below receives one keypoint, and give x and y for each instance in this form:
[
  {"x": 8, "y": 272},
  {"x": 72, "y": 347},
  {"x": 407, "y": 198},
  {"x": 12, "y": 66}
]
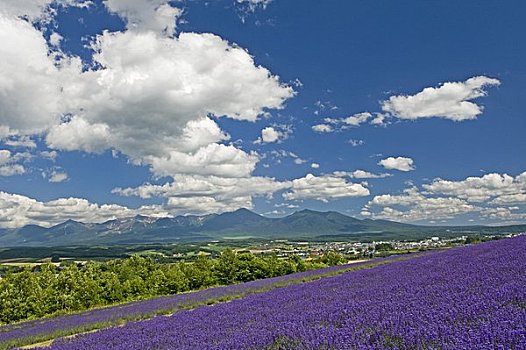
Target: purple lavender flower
[
  {"x": 93, "y": 319},
  {"x": 465, "y": 298}
]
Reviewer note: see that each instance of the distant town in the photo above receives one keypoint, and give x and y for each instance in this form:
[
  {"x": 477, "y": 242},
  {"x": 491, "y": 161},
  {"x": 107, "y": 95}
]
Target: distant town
[{"x": 359, "y": 250}]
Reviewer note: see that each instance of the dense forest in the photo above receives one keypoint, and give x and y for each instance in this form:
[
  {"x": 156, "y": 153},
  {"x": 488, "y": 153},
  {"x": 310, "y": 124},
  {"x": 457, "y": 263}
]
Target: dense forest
[{"x": 47, "y": 289}]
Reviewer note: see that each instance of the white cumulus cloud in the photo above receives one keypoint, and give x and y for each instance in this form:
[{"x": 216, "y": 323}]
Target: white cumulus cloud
[
  {"x": 450, "y": 100},
  {"x": 357, "y": 119},
  {"x": 500, "y": 188},
  {"x": 362, "y": 174},
  {"x": 57, "y": 176},
  {"x": 324, "y": 188},
  {"x": 35, "y": 9},
  {"x": 415, "y": 206},
  {"x": 20, "y": 142},
  {"x": 498, "y": 197},
  {"x": 504, "y": 213},
  {"x": 78, "y": 134},
  {"x": 397, "y": 163},
  {"x": 32, "y": 96},
  {"x": 272, "y": 134},
  {"x": 152, "y": 97},
  {"x": 207, "y": 194},
  {"x": 8, "y": 163},
  {"x": 321, "y": 128},
  {"x": 155, "y": 15},
  {"x": 12, "y": 169}
]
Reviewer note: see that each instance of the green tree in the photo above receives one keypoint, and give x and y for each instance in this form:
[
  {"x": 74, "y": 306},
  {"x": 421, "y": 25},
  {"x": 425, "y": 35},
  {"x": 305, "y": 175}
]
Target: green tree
[
  {"x": 332, "y": 259},
  {"x": 226, "y": 267},
  {"x": 176, "y": 280},
  {"x": 199, "y": 273}
]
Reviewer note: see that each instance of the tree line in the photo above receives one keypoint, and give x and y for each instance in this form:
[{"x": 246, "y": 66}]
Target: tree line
[{"x": 47, "y": 290}]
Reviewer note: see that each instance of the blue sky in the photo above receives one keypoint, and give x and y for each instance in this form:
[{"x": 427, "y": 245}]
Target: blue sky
[{"x": 409, "y": 110}]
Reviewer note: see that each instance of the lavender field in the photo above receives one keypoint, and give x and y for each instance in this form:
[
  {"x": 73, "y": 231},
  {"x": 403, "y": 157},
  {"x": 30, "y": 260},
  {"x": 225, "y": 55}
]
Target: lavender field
[
  {"x": 472, "y": 297},
  {"x": 39, "y": 330}
]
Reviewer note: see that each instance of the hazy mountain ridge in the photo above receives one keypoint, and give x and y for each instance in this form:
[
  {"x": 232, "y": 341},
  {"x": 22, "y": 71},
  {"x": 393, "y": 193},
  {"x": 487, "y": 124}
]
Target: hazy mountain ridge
[{"x": 304, "y": 224}]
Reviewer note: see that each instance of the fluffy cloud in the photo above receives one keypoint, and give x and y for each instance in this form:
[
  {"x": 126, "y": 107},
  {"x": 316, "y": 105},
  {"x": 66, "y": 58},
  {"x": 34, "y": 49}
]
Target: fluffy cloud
[
  {"x": 339, "y": 124},
  {"x": 207, "y": 194},
  {"x": 415, "y": 206},
  {"x": 156, "y": 99},
  {"x": 321, "y": 128},
  {"x": 12, "y": 169},
  {"x": 17, "y": 210},
  {"x": 489, "y": 196},
  {"x": 324, "y": 188},
  {"x": 35, "y": 9},
  {"x": 514, "y": 198},
  {"x": 213, "y": 159},
  {"x": 30, "y": 8},
  {"x": 500, "y": 188},
  {"x": 55, "y": 39},
  {"x": 362, "y": 174},
  {"x": 50, "y": 155},
  {"x": 31, "y": 85},
  {"x": 379, "y": 120},
  {"x": 299, "y": 161},
  {"x": 269, "y": 135},
  {"x": 20, "y": 142},
  {"x": 156, "y": 105},
  {"x": 357, "y": 119},
  {"x": 153, "y": 105},
  {"x": 155, "y": 15},
  {"x": 5, "y": 156},
  {"x": 215, "y": 186},
  {"x": 8, "y": 166},
  {"x": 450, "y": 100},
  {"x": 78, "y": 134},
  {"x": 398, "y": 163},
  {"x": 315, "y": 166},
  {"x": 501, "y": 213},
  {"x": 276, "y": 133},
  {"x": 57, "y": 176},
  {"x": 191, "y": 76}
]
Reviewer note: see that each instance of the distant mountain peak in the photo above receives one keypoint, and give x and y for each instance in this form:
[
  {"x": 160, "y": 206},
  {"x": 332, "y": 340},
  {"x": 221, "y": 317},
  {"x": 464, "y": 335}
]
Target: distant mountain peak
[
  {"x": 241, "y": 212},
  {"x": 303, "y": 224},
  {"x": 146, "y": 219},
  {"x": 307, "y": 211},
  {"x": 68, "y": 222}
]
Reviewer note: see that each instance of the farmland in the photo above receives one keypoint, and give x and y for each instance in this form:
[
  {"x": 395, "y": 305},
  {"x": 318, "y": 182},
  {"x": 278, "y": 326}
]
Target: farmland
[{"x": 466, "y": 297}]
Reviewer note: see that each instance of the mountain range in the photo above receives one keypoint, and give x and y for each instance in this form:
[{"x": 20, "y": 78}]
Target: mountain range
[{"x": 240, "y": 224}]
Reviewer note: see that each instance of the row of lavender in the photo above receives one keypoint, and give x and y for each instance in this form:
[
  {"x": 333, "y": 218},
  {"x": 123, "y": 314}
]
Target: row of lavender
[
  {"x": 472, "y": 297},
  {"x": 141, "y": 309}
]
